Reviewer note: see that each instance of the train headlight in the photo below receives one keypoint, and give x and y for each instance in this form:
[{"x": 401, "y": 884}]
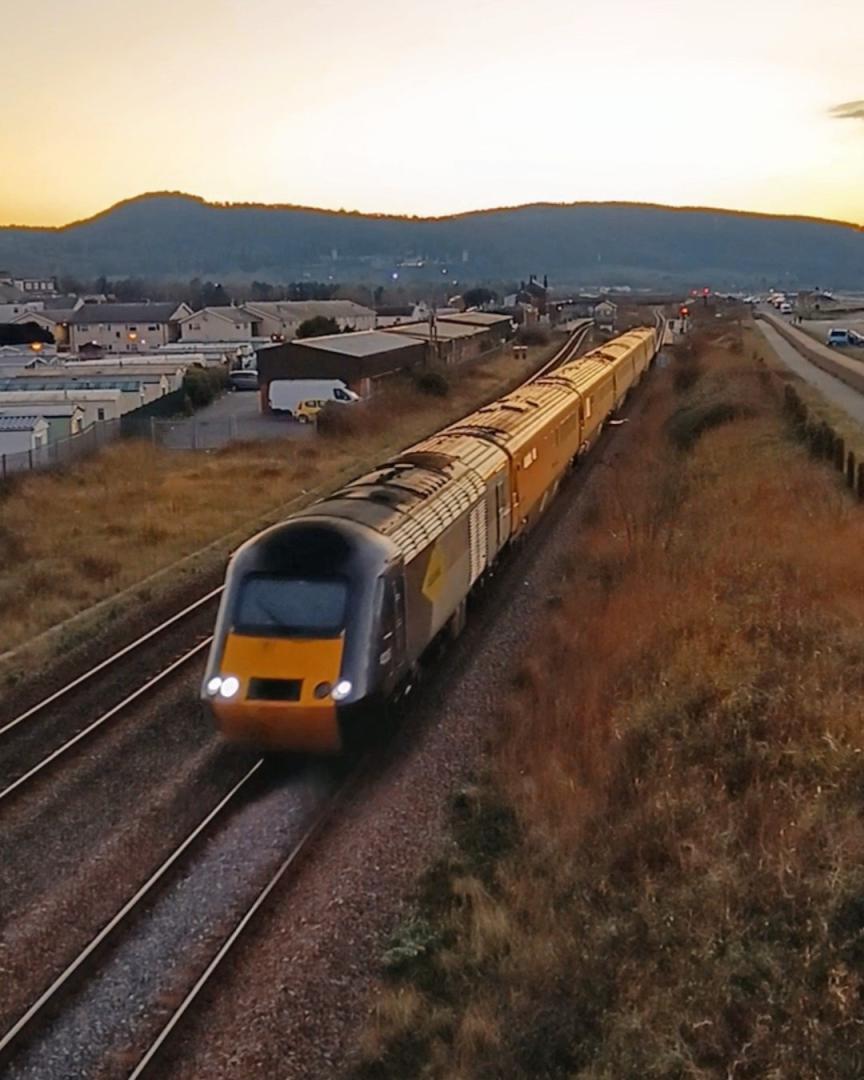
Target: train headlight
[
  {"x": 214, "y": 685},
  {"x": 341, "y": 690},
  {"x": 229, "y": 687}
]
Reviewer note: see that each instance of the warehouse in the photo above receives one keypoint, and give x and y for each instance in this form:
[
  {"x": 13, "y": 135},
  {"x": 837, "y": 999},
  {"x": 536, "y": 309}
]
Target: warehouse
[
  {"x": 451, "y": 343},
  {"x": 500, "y": 327},
  {"x": 357, "y": 359}
]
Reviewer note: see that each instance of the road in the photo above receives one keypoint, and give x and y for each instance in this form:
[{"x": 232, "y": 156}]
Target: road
[
  {"x": 837, "y": 392},
  {"x": 231, "y": 417}
]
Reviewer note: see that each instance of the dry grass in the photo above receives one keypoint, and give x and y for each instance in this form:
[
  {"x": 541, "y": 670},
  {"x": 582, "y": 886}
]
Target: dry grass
[
  {"x": 662, "y": 874},
  {"x": 69, "y": 539}
]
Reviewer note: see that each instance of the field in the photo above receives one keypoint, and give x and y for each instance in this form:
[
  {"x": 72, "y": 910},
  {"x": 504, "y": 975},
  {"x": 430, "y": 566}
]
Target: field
[
  {"x": 70, "y": 539},
  {"x": 660, "y": 874}
]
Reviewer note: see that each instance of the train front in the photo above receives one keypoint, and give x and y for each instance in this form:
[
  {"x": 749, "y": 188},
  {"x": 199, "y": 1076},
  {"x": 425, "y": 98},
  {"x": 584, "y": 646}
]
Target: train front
[{"x": 290, "y": 658}]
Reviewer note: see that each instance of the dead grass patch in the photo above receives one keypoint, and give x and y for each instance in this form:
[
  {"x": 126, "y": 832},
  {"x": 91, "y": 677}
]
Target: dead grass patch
[
  {"x": 86, "y": 533},
  {"x": 680, "y": 765}
]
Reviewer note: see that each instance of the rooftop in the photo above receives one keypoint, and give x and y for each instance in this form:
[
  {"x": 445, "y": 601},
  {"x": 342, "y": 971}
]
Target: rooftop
[
  {"x": 18, "y": 423},
  {"x": 236, "y": 314},
  {"x": 360, "y": 343},
  {"x": 308, "y": 309},
  {"x": 476, "y": 318},
  {"x": 446, "y": 331},
  {"x": 123, "y": 313}
]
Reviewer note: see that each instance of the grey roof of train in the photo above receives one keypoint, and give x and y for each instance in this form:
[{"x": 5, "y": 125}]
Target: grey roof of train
[{"x": 361, "y": 343}]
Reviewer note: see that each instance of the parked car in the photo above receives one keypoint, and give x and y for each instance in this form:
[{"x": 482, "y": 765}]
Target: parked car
[
  {"x": 838, "y": 338},
  {"x": 243, "y": 380},
  {"x": 288, "y": 395}
]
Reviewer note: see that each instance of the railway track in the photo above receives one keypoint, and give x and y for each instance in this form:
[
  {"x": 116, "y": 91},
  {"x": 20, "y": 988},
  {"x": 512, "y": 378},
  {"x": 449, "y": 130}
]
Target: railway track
[
  {"x": 16, "y": 775},
  {"x": 47, "y": 1011},
  {"x": 49, "y": 720}
]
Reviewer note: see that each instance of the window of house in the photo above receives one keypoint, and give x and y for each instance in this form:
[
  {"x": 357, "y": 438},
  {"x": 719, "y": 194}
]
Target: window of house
[
  {"x": 100, "y": 414},
  {"x": 152, "y": 327},
  {"x": 117, "y": 333}
]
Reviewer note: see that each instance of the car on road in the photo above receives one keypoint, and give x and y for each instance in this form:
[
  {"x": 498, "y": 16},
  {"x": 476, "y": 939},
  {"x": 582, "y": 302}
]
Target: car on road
[
  {"x": 244, "y": 379},
  {"x": 838, "y": 337}
]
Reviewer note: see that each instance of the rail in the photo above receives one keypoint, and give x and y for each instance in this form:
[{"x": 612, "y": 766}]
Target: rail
[{"x": 51, "y": 995}]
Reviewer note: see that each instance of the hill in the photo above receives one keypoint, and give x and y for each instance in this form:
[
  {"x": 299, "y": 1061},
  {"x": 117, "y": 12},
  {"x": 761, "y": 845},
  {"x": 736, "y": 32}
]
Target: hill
[{"x": 171, "y": 235}]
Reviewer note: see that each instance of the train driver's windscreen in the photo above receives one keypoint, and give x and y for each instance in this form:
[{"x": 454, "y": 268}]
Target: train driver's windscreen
[{"x": 305, "y": 607}]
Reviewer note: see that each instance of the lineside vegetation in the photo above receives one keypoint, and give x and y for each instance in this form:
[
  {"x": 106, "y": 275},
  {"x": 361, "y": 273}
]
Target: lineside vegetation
[
  {"x": 71, "y": 538},
  {"x": 661, "y": 873}
]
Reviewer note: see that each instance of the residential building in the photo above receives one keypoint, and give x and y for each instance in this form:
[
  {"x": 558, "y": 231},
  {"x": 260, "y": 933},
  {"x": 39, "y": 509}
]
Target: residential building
[
  {"x": 605, "y": 314},
  {"x": 125, "y": 328},
  {"x": 22, "y": 433},
  {"x": 96, "y": 404},
  {"x": 9, "y": 312},
  {"x": 279, "y": 320},
  {"x": 62, "y": 420},
  {"x": 216, "y": 324}
]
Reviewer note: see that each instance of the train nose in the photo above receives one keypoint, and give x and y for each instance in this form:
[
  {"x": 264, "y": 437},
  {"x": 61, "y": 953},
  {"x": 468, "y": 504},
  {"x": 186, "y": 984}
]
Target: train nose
[{"x": 285, "y": 694}]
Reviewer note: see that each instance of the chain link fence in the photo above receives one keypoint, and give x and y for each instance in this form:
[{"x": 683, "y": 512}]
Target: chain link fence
[{"x": 63, "y": 451}]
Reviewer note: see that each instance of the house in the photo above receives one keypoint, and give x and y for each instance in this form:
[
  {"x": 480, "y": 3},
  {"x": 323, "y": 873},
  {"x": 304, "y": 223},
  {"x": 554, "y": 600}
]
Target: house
[
  {"x": 8, "y": 312},
  {"x": 605, "y": 314},
  {"x": 96, "y": 404},
  {"x": 137, "y": 389},
  {"x": 125, "y": 328},
  {"x": 62, "y": 420},
  {"x": 220, "y": 324},
  {"x": 280, "y": 319},
  {"x": 22, "y": 433},
  {"x": 357, "y": 359}
]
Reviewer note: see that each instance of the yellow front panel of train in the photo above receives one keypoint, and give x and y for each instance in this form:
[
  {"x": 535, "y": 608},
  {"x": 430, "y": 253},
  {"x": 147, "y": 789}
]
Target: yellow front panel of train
[{"x": 308, "y": 723}]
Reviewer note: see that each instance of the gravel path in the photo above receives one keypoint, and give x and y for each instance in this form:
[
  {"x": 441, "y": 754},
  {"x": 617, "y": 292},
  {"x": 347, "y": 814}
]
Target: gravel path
[
  {"x": 293, "y": 999},
  {"x": 837, "y": 392}
]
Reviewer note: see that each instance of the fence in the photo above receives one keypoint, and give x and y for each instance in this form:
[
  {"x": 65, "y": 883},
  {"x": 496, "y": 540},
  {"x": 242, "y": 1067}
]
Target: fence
[
  {"x": 195, "y": 434},
  {"x": 61, "y": 451}
]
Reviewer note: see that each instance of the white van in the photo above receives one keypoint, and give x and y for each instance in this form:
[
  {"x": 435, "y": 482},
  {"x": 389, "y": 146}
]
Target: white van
[
  {"x": 295, "y": 395},
  {"x": 785, "y": 308}
]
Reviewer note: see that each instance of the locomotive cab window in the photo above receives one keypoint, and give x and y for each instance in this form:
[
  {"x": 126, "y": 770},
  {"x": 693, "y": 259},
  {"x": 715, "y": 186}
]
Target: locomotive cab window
[{"x": 291, "y": 607}]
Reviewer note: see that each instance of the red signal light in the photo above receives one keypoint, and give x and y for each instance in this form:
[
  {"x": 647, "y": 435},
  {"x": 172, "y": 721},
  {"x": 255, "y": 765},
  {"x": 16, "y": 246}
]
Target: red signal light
[
  {"x": 683, "y": 312},
  {"x": 705, "y": 292}
]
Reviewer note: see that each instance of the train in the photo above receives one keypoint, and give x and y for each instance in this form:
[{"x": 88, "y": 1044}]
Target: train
[{"x": 325, "y": 617}]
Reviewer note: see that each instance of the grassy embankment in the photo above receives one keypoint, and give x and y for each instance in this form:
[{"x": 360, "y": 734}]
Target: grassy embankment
[
  {"x": 72, "y": 538},
  {"x": 661, "y": 874},
  {"x": 756, "y": 346}
]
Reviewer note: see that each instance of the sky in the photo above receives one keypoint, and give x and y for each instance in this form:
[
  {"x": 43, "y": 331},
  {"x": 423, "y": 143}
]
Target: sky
[{"x": 409, "y": 107}]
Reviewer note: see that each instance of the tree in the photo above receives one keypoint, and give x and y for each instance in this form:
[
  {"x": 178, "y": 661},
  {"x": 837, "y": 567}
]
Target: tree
[
  {"x": 319, "y": 326},
  {"x": 478, "y": 297},
  {"x": 262, "y": 290},
  {"x": 214, "y": 295}
]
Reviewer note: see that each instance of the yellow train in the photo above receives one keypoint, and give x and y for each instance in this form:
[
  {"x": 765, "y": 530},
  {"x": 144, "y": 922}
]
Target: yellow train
[{"x": 326, "y": 616}]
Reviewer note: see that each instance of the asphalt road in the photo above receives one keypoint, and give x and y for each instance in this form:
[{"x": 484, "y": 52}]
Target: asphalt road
[{"x": 837, "y": 392}]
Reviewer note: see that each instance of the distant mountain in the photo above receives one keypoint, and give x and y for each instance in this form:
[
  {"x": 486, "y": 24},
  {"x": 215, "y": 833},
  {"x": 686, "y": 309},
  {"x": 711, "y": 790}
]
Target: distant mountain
[{"x": 172, "y": 235}]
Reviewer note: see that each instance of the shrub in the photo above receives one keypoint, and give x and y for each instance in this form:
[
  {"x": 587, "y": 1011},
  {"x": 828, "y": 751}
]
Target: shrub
[
  {"x": 532, "y": 335},
  {"x": 202, "y": 385},
  {"x": 432, "y": 381},
  {"x": 686, "y": 426}
]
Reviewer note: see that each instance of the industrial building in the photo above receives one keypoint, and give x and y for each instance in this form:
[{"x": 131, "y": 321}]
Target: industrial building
[
  {"x": 357, "y": 359},
  {"x": 451, "y": 343}
]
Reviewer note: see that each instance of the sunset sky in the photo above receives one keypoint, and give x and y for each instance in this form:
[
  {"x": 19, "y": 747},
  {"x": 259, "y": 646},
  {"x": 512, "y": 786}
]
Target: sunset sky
[{"x": 408, "y": 107}]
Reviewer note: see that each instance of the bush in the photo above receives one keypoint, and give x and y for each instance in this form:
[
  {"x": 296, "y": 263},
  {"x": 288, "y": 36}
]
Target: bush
[
  {"x": 532, "y": 335},
  {"x": 202, "y": 385},
  {"x": 686, "y": 426},
  {"x": 432, "y": 381}
]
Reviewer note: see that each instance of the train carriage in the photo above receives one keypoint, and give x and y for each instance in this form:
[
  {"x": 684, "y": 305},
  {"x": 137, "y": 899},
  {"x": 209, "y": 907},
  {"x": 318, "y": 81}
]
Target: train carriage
[{"x": 325, "y": 616}]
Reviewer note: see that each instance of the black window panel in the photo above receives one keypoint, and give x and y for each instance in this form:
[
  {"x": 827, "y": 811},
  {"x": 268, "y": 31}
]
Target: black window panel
[{"x": 291, "y": 607}]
